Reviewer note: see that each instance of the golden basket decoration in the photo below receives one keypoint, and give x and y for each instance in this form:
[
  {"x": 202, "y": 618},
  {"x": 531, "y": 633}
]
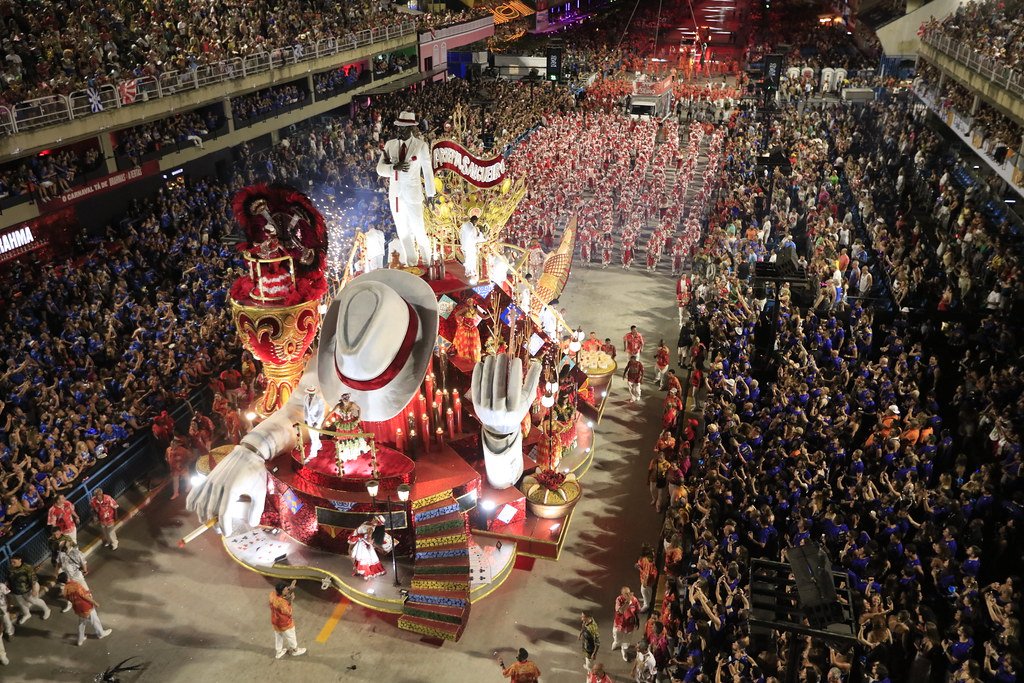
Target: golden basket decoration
[
  {"x": 279, "y": 337},
  {"x": 548, "y": 504}
]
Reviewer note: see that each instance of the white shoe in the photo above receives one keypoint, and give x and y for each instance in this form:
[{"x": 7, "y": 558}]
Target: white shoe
[
  {"x": 280, "y": 653},
  {"x": 298, "y": 652},
  {"x": 104, "y": 633},
  {"x": 46, "y": 615},
  {"x": 24, "y": 618},
  {"x": 4, "y": 661},
  {"x": 81, "y": 641},
  {"x": 113, "y": 547},
  {"x": 67, "y": 608}
]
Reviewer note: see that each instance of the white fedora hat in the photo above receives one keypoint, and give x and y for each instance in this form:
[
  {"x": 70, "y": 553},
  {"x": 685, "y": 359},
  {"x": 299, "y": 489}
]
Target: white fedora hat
[
  {"x": 376, "y": 341},
  {"x": 406, "y": 118}
]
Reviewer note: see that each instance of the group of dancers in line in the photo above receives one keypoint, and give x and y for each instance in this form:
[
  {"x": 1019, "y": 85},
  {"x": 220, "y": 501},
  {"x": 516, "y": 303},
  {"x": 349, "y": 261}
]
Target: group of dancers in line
[{"x": 616, "y": 189}]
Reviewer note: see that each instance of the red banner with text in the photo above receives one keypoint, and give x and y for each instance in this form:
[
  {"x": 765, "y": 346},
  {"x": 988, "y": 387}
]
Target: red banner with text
[
  {"x": 479, "y": 172},
  {"x": 101, "y": 185}
]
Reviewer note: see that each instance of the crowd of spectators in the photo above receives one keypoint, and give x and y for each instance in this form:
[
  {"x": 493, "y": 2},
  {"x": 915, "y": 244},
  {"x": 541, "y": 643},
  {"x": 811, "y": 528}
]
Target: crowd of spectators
[
  {"x": 997, "y": 129},
  {"x": 886, "y": 427},
  {"x": 45, "y": 176},
  {"x": 992, "y": 28},
  {"x": 97, "y": 345},
  {"x": 174, "y": 132},
  {"x": 330, "y": 83},
  {"x": 54, "y": 46},
  {"x": 267, "y": 102}
]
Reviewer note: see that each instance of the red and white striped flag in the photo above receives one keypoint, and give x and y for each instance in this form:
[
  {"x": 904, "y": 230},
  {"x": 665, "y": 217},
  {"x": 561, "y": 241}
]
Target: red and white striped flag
[{"x": 128, "y": 91}]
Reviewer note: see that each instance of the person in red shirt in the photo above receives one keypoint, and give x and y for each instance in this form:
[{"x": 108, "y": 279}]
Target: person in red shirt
[
  {"x": 597, "y": 675},
  {"x": 633, "y": 342},
  {"x": 85, "y": 607},
  {"x": 592, "y": 343},
  {"x": 661, "y": 361},
  {"x": 627, "y": 619},
  {"x": 62, "y": 515},
  {"x": 105, "y": 509},
  {"x": 281, "y": 620},
  {"x": 648, "y": 576},
  {"x": 179, "y": 459},
  {"x": 634, "y": 374}
]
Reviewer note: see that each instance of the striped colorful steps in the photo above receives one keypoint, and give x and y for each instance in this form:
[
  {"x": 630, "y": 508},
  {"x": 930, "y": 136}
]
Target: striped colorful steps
[{"x": 438, "y": 602}]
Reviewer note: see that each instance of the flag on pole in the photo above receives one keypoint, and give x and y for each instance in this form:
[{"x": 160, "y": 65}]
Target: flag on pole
[
  {"x": 128, "y": 91},
  {"x": 95, "y": 103}
]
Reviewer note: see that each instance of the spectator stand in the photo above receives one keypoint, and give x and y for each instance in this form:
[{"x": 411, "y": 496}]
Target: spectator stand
[
  {"x": 149, "y": 141},
  {"x": 140, "y": 459},
  {"x": 50, "y": 173},
  {"x": 254, "y": 107},
  {"x": 48, "y": 110}
]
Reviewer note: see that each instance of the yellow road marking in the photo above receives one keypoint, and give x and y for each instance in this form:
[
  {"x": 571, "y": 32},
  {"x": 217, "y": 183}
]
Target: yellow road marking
[{"x": 333, "y": 620}]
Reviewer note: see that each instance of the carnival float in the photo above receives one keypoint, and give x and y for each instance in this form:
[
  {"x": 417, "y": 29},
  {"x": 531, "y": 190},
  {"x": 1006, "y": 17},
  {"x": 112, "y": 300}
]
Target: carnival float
[{"x": 398, "y": 498}]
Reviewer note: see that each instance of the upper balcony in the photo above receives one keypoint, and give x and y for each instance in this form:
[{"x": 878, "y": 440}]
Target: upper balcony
[
  {"x": 39, "y": 123},
  {"x": 996, "y": 81}
]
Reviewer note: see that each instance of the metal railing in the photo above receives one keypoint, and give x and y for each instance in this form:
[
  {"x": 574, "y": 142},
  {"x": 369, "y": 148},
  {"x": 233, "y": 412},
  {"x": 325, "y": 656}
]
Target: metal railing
[
  {"x": 139, "y": 458},
  {"x": 56, "y": 109},
  {"x": 990, "y": 69}
]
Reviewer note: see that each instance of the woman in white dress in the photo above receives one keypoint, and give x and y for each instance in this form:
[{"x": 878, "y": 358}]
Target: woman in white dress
[{"x": 365, "y": 562}]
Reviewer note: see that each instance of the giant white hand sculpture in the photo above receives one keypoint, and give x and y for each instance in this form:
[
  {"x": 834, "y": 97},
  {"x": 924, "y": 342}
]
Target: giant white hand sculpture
[
  {"x": 244, "y": 470},
  {"x": 241, "y": 472},
  {"x": 501, "y": 400}
]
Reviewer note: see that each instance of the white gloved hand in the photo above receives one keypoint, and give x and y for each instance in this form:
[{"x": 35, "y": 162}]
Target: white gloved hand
[
  {"x": 241, "y": 472},
  {"x": 500, "y": 397},
  {"x": 501, "y": 400}
]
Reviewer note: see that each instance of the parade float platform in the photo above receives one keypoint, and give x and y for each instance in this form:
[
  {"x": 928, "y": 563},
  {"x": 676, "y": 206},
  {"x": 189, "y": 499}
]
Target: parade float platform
[
  {"x": 456, "y": 538},
  {"x": 271, "y": 552}
]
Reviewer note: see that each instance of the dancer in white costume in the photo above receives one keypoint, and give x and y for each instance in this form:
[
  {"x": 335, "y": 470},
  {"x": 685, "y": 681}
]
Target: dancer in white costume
[
  {"x": 314, "y": 413},
  {"x": 470, "y": 238},
  {"x": 404, "y": 162}
]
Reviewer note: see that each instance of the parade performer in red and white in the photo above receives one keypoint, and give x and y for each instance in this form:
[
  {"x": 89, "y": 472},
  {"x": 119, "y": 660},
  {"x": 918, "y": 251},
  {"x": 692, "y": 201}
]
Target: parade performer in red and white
[
  {"x": 633, "y": 342},
  {"x": 634, "y": 374},
  {"x": 586, "y": 245},
  {"x": 627, "y": 250},
  {"x": 365, "y": 562},
  {"x": 179, "y": 459},
  {"x": 661, "y": 361},
  {"x": 626, "y": 621},
  {"x": 678, "y": 252},
  {"x": 105, "y": 509},
  {"x": 405, "y": 162},
  {"x": 63, "y": 516},
  {"x": 606, "y": 250},
  {"x": 673, "y": 405}
]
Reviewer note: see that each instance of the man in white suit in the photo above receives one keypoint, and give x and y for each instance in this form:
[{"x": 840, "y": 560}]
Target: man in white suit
[{"x": 404, "y": 161}]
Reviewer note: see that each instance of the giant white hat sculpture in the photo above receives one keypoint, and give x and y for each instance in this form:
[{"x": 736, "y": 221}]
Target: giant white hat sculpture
[
  {"x": 376, "y": 342},
  {"x": 406, "y": 118}
]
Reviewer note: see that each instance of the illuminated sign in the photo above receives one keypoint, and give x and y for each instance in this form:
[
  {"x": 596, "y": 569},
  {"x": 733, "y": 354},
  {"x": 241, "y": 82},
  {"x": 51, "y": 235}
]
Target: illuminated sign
[{"x": 16, "y": 239}]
